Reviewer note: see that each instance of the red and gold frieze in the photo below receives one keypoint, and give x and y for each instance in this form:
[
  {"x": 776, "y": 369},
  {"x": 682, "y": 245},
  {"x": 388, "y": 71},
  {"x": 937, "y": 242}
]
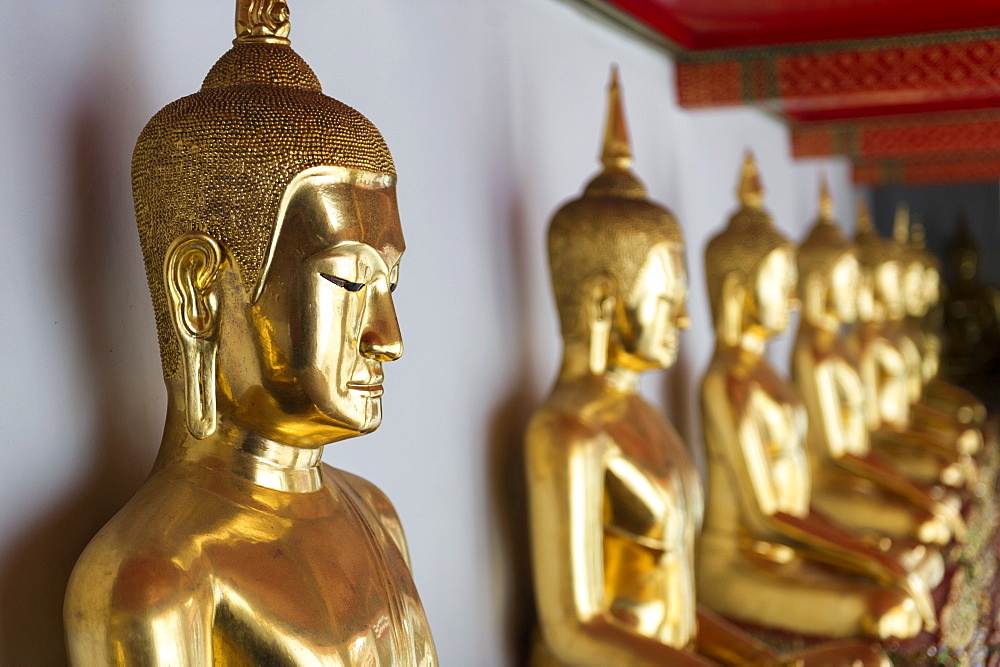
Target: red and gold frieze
[
  {"x": 900, "y": 137},
  {"x": 850, "y": 79},
  {"x": 941, "y": 169}
]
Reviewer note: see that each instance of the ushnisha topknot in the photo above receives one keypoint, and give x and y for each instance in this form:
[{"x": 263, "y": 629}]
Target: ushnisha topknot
[
  {"x": 610, "y": 228},
  {"x": 825, "y": 243},
  {"x": 901, "y": 235},
  {"x": 873, "y": 249},
  {"x": 746, "y": 241},
  {"x": 219, "y": 161}
]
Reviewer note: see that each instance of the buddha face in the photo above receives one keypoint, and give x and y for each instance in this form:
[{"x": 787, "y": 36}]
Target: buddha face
[
  {"x": 844, "y": 285},
  {"x": 888, "y": 290},
  {"x": 324, "y": 320},
  {"x": 967, "y": 260},
  {"x": 867, "y": 310},
  {"x": 774, "y": 290},
  {"x": 655, "y": 311},
  {"x": 932, "y": 286},
  {"x": 913, "y": 289}
]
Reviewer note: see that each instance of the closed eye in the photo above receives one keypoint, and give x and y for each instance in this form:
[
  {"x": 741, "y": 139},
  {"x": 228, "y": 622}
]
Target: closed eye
[{"x": 346, "y": 284}]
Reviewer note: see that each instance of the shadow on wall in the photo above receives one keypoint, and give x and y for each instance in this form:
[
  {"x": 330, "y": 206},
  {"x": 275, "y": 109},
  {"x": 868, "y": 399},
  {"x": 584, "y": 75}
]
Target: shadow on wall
[
  {"x": 505, "y": 463},
  {"x": 36, "y": 567}
]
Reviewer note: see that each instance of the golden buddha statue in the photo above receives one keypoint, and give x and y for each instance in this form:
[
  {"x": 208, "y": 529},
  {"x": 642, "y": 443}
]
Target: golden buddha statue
[
  {"x": 891, "y": 362},
  {"x": 972, "y": 331},
  {"x": 927, "y": 458},
  {"x": 850, "y": 482},
  {"x": 951, "y": 419},
  {"x": 767, "y": 557},
  {"x": 615, "y": 502},
  {"x": 924, "y": 325},
  {"x": 271, "y": 236}
]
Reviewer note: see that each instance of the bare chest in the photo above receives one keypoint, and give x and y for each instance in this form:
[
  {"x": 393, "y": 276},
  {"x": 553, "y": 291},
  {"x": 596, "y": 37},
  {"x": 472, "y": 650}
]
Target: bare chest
[{"x": 322, "y": 591}]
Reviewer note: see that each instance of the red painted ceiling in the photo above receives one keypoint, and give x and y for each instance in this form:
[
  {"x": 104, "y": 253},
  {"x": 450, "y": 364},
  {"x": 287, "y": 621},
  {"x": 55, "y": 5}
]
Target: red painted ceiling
[{"x": 714, "y": 24}]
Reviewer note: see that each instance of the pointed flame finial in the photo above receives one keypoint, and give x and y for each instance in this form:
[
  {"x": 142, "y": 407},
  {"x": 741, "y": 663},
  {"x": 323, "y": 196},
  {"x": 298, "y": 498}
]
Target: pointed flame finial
[
  {"x": 901, "y": 224},
  {"x": 262, "y": 21},
  {"x": 617, "y": 152},
  {"x": 750, "y": 191},
  {"x": 825, "y": 200},
  {"x": 865, "y": 225},
  {"x": 918, "y": 235}
]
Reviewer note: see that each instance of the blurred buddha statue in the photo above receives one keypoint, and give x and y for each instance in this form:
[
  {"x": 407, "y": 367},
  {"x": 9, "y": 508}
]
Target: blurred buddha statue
[
  {"x": 949, "y": 420},
  {"x": 924, "y": 325},
  {"x": 850, "y": 482},
  {"x": 767, "y": 557},
  {"x": 972, "y": 333},
  {"x": 928, "y": 458},
  {"x": 615, "y": 503},
  {"x": 268, "y": 221}
]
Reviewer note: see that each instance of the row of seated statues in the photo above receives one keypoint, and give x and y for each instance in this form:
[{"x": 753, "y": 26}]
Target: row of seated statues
[
  {"x": 969, "y": 313},
  {"x": 837, "y": 500},
  {"x": 838, "y": 506}
]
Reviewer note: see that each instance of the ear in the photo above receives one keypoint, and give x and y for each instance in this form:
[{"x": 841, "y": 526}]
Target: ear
[
  {"x": 600, "y": 311},
  {"x": 734, "y": 305},
  {"x": 190, "y": 272},
  {"x": 814, "y": 299}
]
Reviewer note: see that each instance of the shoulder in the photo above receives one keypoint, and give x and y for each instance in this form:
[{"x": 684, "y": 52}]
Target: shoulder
[
  {"x": 725, "y": 380},
  {"x": 553, "y": 429},
  {"x": 133, "y": 569},
  {"x": 376, "y": 503}
]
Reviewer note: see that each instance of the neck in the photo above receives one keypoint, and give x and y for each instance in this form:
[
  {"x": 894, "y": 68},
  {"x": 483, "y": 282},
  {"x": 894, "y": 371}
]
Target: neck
[
  {"x": 575, "y": 368},
  {"x": 750, "y": 344},
  {"x": 244, "y": 453},
  {"x": 823, "y": 328},
  {"x": 753, "y": 342}
]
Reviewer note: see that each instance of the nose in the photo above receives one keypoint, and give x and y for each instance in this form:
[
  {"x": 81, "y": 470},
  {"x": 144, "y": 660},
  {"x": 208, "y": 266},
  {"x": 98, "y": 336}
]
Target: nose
[
  {"x": 381, "y": 339},
  {"x": 683, "y": 320}
]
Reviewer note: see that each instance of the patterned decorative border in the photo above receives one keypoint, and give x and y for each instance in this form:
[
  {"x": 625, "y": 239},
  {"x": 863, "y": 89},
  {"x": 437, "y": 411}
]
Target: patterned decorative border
[
  {"x": 941, "y": 169},
  {"x": 900, "y": 137},
  {"x": 949, "y": 69}
]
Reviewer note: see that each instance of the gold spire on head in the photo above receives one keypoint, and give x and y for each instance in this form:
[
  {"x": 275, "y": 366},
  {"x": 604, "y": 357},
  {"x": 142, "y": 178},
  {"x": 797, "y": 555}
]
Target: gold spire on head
[
  {"x": 617, "y": 152},
  {"x": 901, "y": 224},
  {"x": 262, "y": 21},
  {"x": 750, "y": 191},
  {"x": 825, "y": 200},
  {"x": 918, "y": 235},
  {"x": 865, "y": 225}
]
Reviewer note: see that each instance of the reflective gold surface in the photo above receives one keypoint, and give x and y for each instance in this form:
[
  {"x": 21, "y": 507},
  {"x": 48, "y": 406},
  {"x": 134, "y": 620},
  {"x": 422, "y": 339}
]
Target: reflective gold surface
[
  {"x": 926, "y": 457},
  {"x": 615, "y": 502},
  {"x": 272, "y": 276},
  {"x": 767, "y": 556},
  {"x": 906, "y": 429},
  {"x": 947, "y": 420},
  {"x": 850, "y": 482},
  {"x": 924, "y": 326}
]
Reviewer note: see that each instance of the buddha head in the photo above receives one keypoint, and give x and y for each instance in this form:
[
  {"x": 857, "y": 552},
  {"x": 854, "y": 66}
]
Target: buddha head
[
  {"x": 617, "y": 264},
  {"x": 880, "y": 289},
  {"x": 828, "y": 271},
  {"x": 964, "y": 252},
  {"x": 932, "y": 267},
  {"x": 271, "y": 238},
  {"x": 750, "y": 268},
  {"x": 912, "y": 265}
]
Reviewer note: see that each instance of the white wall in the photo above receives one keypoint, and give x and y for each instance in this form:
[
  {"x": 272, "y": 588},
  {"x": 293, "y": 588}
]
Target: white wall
[{"x": 493, "y": 110}]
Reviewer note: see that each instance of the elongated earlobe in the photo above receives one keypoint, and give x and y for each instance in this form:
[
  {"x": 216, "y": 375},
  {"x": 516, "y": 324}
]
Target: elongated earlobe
[
  {"x": 190, "y": 269},
  {"x": 734, "y": 298},
  {"x": 601, "y": 309},
  {"x": 815, "y": 302}
]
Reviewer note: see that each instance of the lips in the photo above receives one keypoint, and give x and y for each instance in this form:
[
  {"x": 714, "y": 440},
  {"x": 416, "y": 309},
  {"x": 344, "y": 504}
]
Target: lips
[{"x": 368, "y": 387}]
